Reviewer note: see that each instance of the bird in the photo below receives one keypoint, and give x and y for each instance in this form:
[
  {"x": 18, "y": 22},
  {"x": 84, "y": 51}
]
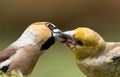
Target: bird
[
  {"x": 22, "y": 55},
  {"x": 94, "y": 56}
]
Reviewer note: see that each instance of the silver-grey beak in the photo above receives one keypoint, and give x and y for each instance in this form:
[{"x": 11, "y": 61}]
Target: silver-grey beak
[
  {"x": 58, "y": 34},
  {"x": 66, "y": 37},
  {"x": 70, "y": 40},
  {"x": 69, "y": 34}
]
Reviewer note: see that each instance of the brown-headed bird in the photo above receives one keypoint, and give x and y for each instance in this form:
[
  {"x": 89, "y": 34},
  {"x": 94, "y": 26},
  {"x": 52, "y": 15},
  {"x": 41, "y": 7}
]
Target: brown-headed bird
[
  {"x": 22, "y": 55},
  {"x": 94, "y": 56}
]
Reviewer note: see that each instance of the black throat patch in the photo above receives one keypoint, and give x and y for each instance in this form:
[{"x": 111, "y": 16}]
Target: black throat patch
[{"x": 48, "y": 43}]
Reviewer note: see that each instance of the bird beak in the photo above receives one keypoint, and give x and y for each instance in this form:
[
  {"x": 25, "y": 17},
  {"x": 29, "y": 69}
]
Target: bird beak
[
  {"x": 69, "y": 36},
  {"x": 58, "y": 35},
  {"x": 66, "y": 37}
]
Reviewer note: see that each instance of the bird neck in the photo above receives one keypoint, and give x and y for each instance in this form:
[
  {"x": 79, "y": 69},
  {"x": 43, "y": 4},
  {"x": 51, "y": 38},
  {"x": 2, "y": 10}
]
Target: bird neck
[{"x": 27, "y": 38}]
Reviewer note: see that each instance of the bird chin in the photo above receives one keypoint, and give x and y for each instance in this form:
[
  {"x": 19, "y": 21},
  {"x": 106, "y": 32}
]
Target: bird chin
[{"x": 70, "y": 43}]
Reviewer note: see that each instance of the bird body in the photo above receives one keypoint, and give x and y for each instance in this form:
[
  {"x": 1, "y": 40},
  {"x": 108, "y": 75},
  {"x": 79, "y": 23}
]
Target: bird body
[
  {"x": 94, "y": 56},
  {"x": 103, "y": 65},
  {"x": 22, "y": 55},
  {"x": 21, "y": 59}
]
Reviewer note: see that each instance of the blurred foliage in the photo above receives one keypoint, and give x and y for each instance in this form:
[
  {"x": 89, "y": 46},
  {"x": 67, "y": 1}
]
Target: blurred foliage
[
  {"x": 13, "y": 74},
  {"x": 3, "y": 74}
]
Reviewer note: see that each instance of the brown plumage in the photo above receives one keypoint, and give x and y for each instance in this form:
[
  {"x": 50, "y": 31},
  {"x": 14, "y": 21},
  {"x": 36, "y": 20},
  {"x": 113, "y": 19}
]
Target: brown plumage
[{"x": 22, "y": 55}]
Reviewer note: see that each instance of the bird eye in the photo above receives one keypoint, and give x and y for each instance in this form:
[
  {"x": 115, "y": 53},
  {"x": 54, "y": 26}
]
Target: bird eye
[
  {"x": 50, "y": 26},
  {"x": 80, "y": 43}
]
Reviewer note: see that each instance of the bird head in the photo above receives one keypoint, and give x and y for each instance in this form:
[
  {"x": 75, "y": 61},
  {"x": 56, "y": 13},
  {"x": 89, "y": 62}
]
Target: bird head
[
  {"x": 43, "y": 33},
  {"x": 84, "y": 42}
]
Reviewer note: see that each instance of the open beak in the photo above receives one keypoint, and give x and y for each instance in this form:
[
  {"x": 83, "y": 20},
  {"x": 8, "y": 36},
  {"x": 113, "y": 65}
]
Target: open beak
[
  {"x": 70, "y": 41},
  {"x": 66, "y": 37}
]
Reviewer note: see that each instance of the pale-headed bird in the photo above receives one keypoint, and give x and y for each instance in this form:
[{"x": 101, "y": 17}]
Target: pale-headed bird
[
  {"x": 22, "y": 55},
  {"x": 94, "y": 56}
]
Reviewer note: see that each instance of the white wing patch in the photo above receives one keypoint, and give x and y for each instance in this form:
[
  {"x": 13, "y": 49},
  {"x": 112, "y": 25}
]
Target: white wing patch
[{"x": 4, "y": 63}]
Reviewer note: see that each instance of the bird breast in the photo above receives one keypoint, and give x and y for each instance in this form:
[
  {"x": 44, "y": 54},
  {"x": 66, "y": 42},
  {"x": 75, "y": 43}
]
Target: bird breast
[{"x": 95, "y": 69}]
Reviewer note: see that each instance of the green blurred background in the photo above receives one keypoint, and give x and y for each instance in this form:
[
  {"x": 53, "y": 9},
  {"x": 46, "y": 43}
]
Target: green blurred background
[{"x": 101, "y": 15}]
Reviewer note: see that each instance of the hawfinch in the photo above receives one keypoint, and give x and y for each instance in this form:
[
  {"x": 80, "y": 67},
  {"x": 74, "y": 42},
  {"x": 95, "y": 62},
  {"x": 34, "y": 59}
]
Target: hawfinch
[
  {"x": 94, "y": 56},
  {"x": 22, "y": 55}
]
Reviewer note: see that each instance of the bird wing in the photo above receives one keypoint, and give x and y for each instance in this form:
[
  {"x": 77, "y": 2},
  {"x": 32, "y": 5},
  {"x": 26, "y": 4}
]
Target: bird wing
[
  {"x": 113, "y": 51},
  {"x": 116, "y": 57},
  {"x": 4, "y": 58},
  {"x": 7, "y": 53}
]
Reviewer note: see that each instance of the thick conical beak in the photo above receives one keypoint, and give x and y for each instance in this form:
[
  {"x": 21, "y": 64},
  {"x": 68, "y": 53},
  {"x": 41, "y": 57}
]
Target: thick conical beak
[
  {"x": 66, "y": 37},
  {"x": 58, "y": 34},
  {"x": 69, "y": 36}
]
